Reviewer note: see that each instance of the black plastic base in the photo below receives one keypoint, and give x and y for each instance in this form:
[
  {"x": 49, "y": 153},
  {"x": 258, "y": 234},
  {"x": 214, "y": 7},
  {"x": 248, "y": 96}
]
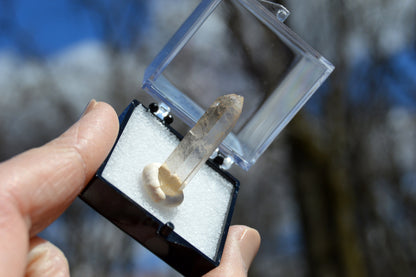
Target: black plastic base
[{"x": 159, "y": 237}]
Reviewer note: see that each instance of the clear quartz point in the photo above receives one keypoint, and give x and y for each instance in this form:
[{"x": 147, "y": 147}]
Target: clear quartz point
[{"x": 199, "y": 143}]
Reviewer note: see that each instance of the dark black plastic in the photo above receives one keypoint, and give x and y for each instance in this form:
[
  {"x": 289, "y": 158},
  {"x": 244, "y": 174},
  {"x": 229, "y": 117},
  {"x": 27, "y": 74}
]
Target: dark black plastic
[
  {"x": 158, "y": 237},
  {"x": 168, "y": 119},
  {"x": 153, "y": 107}
]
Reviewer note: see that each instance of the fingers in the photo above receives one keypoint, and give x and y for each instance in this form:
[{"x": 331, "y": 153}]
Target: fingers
[
  {"x": 42, "y": 182},
  {"x": 240, "y": 249},
  {"x": 249, "y": 243},
  {"x": 36, "y": 186},
  {"x": 45, "y": 260}
]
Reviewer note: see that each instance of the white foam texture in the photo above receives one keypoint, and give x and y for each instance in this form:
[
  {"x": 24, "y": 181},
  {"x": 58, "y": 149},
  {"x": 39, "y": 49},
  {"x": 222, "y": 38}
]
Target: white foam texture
[{"x": 201, "y": 217}]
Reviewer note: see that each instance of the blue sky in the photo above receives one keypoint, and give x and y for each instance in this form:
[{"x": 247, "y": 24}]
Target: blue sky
[
  {"x": 50, "y": 24},
  {"x": 53, "y": 25}
]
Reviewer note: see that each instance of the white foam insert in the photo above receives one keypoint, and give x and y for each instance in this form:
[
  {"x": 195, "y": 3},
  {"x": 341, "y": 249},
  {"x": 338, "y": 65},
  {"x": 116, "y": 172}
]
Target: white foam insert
[{"x": 201, "y": 217}]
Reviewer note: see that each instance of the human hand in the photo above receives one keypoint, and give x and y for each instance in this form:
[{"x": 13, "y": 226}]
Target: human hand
[
  {"x": 38, "y": 185},
  {"x": 240, "y": 249}
]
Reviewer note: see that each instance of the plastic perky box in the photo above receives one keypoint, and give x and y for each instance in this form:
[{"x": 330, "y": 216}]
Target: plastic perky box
[{"x": 242, "y": 47}]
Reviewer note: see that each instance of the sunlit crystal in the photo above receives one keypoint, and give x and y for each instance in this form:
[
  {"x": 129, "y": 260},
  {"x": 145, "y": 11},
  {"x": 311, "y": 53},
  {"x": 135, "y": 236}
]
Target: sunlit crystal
[{"x": 199, "y": 143}]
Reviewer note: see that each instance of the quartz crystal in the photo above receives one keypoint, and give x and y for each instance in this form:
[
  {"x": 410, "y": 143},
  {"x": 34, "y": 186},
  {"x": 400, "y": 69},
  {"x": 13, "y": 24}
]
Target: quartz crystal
[{"x": 199, "y": 143}]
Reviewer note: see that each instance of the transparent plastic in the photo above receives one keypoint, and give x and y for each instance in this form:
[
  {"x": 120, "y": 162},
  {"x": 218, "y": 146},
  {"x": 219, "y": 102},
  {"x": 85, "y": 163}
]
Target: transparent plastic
[
  {"x": 241, "y": 47},
  {"x": 279, "y": 10}
]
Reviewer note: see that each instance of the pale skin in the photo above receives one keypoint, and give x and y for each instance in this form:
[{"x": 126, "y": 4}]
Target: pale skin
[{"x": 38, "y": 185}]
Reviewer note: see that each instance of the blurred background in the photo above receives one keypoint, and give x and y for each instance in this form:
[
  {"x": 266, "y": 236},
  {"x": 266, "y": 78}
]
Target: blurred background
[{"x": 334, "y": 195}]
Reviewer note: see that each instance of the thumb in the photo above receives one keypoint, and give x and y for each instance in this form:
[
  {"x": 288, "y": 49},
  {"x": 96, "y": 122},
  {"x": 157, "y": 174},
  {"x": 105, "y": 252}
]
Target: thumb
[
  {"x": 240, "y": 249},
  {"x": 38, "y": 185},
  {"x": 43, "y": 182}
]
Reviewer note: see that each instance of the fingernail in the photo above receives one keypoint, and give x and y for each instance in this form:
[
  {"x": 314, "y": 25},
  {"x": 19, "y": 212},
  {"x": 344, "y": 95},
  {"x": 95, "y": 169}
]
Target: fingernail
[
  {"x": 90, "y": 106},
  {"x": 249, "y": 243}
]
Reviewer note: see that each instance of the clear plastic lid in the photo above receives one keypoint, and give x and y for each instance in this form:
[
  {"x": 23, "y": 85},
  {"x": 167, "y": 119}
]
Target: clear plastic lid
[{"x": 241, "y": 47}]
